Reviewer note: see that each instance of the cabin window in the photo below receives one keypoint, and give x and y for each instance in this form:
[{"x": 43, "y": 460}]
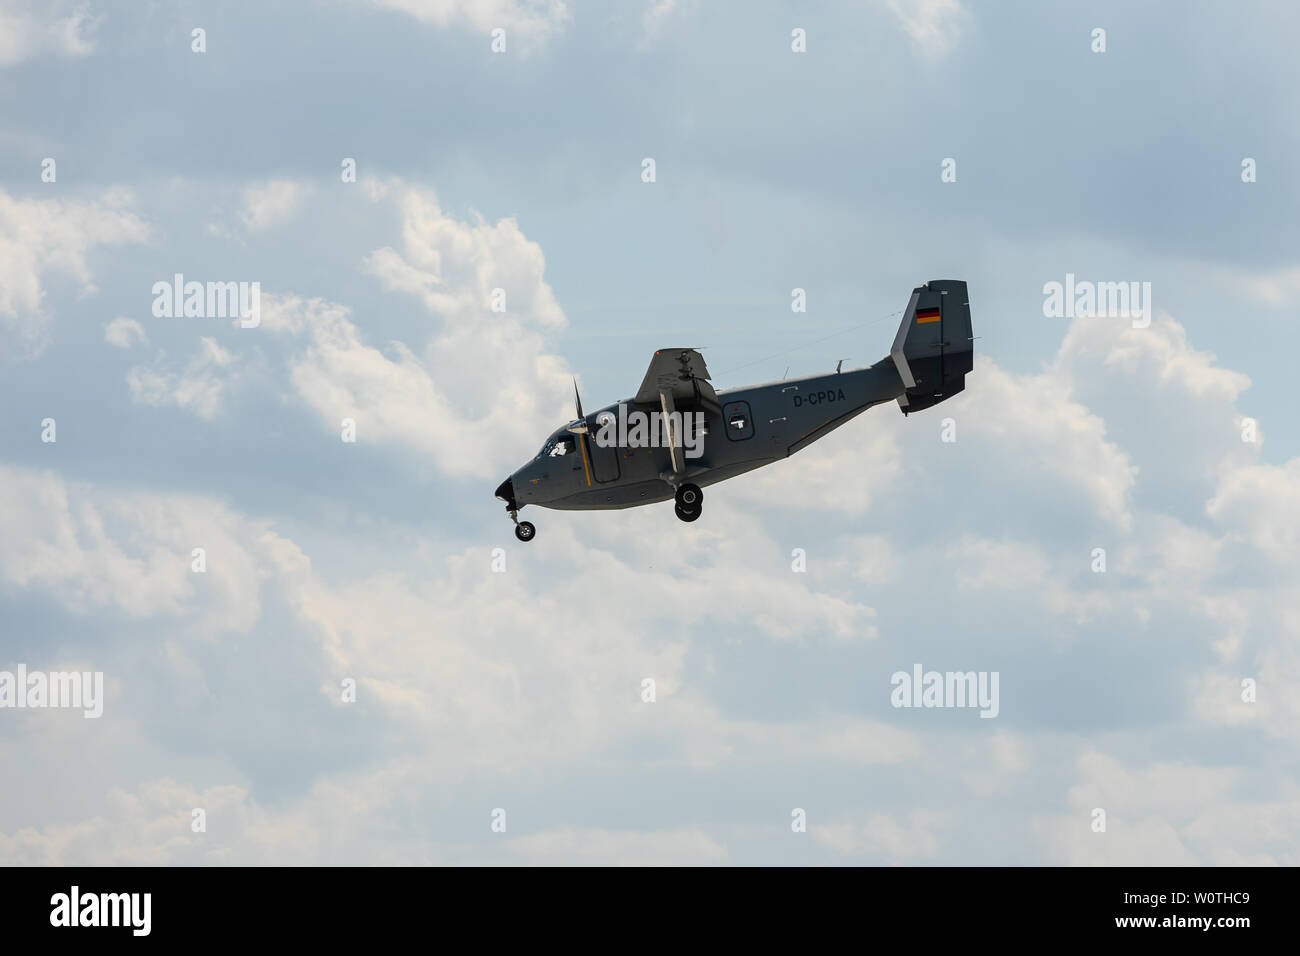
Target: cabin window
[{"x": 740, "y": 424}]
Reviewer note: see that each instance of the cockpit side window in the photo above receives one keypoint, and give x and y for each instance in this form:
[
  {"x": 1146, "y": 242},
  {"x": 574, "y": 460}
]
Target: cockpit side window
[{"x": 557, "y": 446}]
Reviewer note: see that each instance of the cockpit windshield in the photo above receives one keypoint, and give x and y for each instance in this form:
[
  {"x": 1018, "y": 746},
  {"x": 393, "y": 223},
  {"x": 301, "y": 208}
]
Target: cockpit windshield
[{"x": 556, "y": 446}]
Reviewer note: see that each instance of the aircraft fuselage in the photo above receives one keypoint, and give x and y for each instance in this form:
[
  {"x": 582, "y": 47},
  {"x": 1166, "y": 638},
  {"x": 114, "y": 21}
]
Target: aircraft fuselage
[
  {"x": 606, "y": 460},
  {"x": 759, "y": 424}
]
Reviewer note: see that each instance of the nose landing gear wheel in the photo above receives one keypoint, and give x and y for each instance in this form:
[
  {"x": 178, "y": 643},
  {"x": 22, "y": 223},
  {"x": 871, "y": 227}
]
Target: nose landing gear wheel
[{"x": 524, "y": 531}]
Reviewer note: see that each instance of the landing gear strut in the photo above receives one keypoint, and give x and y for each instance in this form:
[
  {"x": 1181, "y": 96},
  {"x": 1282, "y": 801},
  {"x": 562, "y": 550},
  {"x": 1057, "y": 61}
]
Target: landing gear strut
[
  {"x": 524, "y": 530},
  {"x": 689, "y": 501}
]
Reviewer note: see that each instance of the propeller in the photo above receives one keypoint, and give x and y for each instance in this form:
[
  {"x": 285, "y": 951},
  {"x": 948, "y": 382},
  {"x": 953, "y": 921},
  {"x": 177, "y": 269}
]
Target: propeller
[{"x": 579, "y": 425}]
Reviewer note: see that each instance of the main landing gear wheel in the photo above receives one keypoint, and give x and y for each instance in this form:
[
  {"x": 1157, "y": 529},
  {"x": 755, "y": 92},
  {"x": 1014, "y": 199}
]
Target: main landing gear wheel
[
  {"x": 689, "y": 497},
  {"x": 689, "y": 501},
  {"x": 524, "y": 531}
]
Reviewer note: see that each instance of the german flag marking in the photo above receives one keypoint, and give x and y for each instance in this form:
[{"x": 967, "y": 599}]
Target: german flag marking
[{"x": 926, "y": 315}]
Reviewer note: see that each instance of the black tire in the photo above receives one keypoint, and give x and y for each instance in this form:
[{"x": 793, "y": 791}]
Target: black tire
[
  {"x": 684, "y": 514},
  {"x": 525, "y": 531},
  {"x": 689, "y": 497}
]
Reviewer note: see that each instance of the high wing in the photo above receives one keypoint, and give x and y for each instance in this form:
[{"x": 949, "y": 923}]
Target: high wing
[
  {"x": 677, "y": 380},
  {"x": 682, "y": 377}
]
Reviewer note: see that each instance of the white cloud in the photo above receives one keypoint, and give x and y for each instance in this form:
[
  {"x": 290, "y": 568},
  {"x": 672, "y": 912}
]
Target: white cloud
[
  {"x": 453, "y": 266},
  {"x": 461, "y": 676},
  {"x": 31, "y": 28},
  {"x": 1022, "y": 571},
  {"x": 151, "y": 826},
  {"x": 1279, "y": 288},
  {"x": 465, "y": 658},
  {"x": 482, "y": 387},
  {"x": 1158, "y": 356},
  {"x": 200, "y": 386},
  {"x": 272, "y": 203},
  {"x": 123, "y": 333},
  {"x": 90, "y": 550},
  {"x": 912, "y": 839},
  {"x": 532, "y": 19},
  {"x": 934, "y": 25},
  {"x": 1059, "y": 445},
  {"x": 568, "y": 846},
  {"x": 867, "y": 449},
  {"x": 1174, "y": 815},
  {"x": 42, "y": 236},
  {"x": 472, "y": 398},
  {"x": 1262, "y": 502},
  {"x": 661, "y": 15},
  {"x": 1155, "y": 391},
  {"x": 521, "y": 689}
]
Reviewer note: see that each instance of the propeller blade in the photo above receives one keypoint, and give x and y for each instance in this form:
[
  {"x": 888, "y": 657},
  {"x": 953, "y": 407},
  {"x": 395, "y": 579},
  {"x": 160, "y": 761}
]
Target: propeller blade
[{"x": 577, "y": 400}]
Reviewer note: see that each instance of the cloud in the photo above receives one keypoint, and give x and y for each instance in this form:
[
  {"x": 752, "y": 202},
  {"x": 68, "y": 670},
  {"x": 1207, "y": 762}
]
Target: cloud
[
  {"x": 1177, "y": 815},
  {"x": 912, "y": 839},
  {"x": 532, "y": 19},
  {"x": 123, "y": 333},
  {"x": 43, "y": 236},
  {"x": 1262, "y": 502},
  {"x": 660, "y": 14},
  {"x": 934, "y": 25},
  {"x": 521, "y": 689},
  {"x": 481, "y": 386},
  {"x": 405, "y": 635},
  {"x": 1058, "y": 442},
  {"x": 1279, "y": 288},
  {"x": 152, "y": 826},
  {"x": 1159, "y": 355},
  {"x": 88, "y": 550},
  {"x": 31, "y": 28},
  {"x": 454, "y": 266},
  {"x": 484, "y": 384},
  {"x": 864, "y": 448},
  {"x": 272, "y": 203},
  {"x": 458, "y": 668},
  {"x": 199, "y": 387},
  {"x": 461, "y": 664},
  {"x": 569, "y": 846}
]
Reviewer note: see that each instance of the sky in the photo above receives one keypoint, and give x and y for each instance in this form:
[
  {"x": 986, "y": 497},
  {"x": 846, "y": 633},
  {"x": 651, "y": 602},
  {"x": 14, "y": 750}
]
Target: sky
[{"x": 371, "y": 669}]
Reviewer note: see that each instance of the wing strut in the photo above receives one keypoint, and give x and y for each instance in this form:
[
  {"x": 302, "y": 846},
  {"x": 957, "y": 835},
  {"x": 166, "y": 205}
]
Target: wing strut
[{"x": 669, "y": 410}]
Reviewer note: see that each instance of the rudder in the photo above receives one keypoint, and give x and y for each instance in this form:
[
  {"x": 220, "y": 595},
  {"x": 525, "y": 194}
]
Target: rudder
[{"x": 934, "y": 348}]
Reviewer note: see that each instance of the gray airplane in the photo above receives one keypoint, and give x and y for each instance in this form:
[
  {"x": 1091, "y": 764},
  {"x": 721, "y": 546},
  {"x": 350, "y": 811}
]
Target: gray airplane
[{"x": 677, "y": 434}]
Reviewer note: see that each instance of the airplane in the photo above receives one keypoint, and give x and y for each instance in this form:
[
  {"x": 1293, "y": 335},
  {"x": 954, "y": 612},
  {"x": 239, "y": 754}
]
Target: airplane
[{"x": 596, "y": 462}]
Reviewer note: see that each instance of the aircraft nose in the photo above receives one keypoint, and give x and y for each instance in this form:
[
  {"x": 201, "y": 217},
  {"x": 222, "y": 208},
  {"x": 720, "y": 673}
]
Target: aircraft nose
[{"x": 506, "y": 491}]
